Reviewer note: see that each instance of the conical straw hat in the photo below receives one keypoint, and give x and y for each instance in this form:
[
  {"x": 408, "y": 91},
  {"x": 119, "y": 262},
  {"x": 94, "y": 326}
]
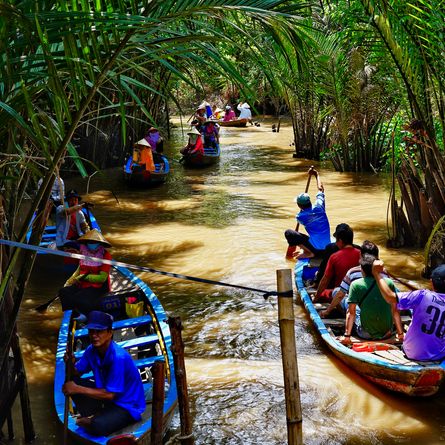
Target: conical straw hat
[
  {"x": 143, "y": 142},
  {"x": 94, "y": 236}
]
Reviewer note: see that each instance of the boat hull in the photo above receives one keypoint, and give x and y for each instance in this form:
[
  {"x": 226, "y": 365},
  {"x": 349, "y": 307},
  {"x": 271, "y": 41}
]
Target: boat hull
[
  {"x": 240, "y": 123},
  {"x": 211, "y": 156},
  {"x": 412, "y": 378},
  {"x": 146, "y": 336},
  {"x": 136, "y": 176}
]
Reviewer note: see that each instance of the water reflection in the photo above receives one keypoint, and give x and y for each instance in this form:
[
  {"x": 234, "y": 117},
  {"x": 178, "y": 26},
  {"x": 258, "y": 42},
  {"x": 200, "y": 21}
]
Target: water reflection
[{"x": 226, "y": 223}]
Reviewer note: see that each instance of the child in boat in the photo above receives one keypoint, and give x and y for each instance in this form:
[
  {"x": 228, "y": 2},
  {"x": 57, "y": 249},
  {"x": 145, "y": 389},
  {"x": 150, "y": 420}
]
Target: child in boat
[
  {"x": 315, "y": 222},
  {"x": 424, "y": 339},
  {"x": 116, "y": 398},
  {"x": 376, "y": 316}
]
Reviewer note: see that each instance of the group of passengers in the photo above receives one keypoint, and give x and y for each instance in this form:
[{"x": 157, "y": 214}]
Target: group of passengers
[
  {"x": 115, "y": 398},
  {"x": 352, "y": 280},
  {"x": 148, "y": 151}
]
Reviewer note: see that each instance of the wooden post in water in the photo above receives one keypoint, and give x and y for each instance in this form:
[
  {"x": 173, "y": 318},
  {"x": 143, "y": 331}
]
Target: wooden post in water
[
  {"x": 181, "y": 380},
  {"x": 289, "y": 356},
  {"x": 157, "y": 413}
]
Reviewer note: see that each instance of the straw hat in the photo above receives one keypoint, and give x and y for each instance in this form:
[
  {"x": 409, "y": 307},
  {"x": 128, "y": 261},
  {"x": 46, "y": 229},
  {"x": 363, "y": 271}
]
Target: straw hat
[
  {"x": 194, "y": 131},
  {"x": 152, "y": 129},
  {"x": 245, "y": 105},
  {"x": 95, "y": 236},
  {"x": 218, "y": 110},
  {"x": 143, "y": 142}
]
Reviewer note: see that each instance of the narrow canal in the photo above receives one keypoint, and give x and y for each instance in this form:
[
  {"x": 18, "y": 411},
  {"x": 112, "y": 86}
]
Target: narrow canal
[{"x": 226, "y": 223}]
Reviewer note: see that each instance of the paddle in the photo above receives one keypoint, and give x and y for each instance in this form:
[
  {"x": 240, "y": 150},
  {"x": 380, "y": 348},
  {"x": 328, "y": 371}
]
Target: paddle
[
  {"x": 68, "y": 367},
  {"x": 43, "y": 307},
  {"x": 404, "y": 282},
  {"x": 291, "y": 249}
]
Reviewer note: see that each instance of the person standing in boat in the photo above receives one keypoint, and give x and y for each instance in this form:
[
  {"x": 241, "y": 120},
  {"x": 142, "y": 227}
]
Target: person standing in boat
[
  {"x": 70, "y": 222},
  {"x": 338, "y": 263},
  {"x": 314, "y": 220},
  {"x": 116, "y": 398},
  {"x": 200, "y": 117},
  {"x": 376, "y": 317},
  {"x": 425, "y": 339},
  {"x": 245, "y": 113},
  {"x": 229, "y": 115},
  {"x": 194, "y": 145},
  {"x": 57, "y": 190},
  {"x": 91, "y": 280}
]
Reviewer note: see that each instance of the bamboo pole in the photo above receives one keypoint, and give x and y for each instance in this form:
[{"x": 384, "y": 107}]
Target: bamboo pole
[
  {"x": 289, "y": 356},
  {"x": 157, "y": 413},
  {"x": 177, "y": 348}
]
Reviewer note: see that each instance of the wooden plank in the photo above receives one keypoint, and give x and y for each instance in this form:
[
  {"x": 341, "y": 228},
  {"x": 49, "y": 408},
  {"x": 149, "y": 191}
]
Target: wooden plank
[{"x": 392, "y": 355}]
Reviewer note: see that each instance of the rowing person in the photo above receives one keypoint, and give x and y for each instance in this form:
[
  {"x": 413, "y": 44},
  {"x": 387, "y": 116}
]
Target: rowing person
[
  {"x": 315, "y": 222},
  {"x": 116, "y": 397},
  {"x": 425, "y": 339},
  {"x": 91, "y": 280}
]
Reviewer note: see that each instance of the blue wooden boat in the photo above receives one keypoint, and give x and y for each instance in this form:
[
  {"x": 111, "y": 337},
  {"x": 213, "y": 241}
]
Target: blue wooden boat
[
  {"x": 383, "y": 363},
  {"x": 52, "y": 262},
  {"x": 146, "y": 337},
  {"x": 211, "y": 156},
  {"x": 134, "y": 174}
]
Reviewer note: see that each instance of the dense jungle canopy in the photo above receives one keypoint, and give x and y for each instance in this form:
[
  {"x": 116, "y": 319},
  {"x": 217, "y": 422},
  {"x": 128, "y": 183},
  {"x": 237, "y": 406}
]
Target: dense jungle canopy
[{"x": 363, "y": 82}]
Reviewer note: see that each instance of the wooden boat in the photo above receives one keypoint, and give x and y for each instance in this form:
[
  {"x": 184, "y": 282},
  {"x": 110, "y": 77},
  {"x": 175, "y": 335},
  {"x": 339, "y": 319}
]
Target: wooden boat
[
  {"x": 134, "y": 174},
  {"x": 383, "y": 363},
  {"x": 234, "y": 123},
  {"x": 145, "y": 336},
  {"x": 53, "y": 263},
  {"x": 211, "y": 156}
]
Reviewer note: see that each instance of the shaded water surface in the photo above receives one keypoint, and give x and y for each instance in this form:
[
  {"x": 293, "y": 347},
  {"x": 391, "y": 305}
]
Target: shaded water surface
[{"x": 226, "y": 223}]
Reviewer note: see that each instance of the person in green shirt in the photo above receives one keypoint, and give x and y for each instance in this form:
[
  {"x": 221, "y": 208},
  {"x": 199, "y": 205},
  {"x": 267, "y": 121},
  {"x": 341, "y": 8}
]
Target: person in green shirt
[{"x": 376, "y": 317}]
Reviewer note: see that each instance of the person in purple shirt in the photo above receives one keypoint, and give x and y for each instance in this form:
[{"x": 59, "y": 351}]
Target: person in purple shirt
[
  {"x": 116, "y": 398},
  {"x": 424, "y": 339},
  {"x": 315, "y": 222}
]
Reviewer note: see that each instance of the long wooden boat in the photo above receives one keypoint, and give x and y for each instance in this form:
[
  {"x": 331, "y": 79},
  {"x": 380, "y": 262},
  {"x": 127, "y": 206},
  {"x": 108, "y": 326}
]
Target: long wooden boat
[
  {"x": 146, "y": 336},
  {"x": 138, "y": 176},
  {"x": 234, "y": 123},
  {"x": 383, "y": 363},
  {"x": 211, "y": 156}
]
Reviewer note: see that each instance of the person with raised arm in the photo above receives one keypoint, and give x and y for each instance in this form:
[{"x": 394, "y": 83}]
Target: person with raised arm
[{"x": 425, "y": 338}]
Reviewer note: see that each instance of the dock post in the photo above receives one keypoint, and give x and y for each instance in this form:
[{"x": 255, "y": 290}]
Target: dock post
[
  {"x": 186, "y": 437},
  {"x": 289, "y": 356},
  {"x": 157, "y": 413}
]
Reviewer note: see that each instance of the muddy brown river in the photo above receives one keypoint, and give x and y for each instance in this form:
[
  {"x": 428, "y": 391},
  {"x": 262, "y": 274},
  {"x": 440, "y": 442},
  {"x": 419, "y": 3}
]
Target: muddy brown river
[{"x": 226, "y": 223}]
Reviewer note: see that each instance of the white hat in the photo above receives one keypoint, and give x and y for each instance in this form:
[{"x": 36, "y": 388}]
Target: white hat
[
  {"x": 228, "y": 107},
  {"x": 245, "y": 105},
  {"x": 143, "y": 142},
  {"x": 194, "y": 131}
]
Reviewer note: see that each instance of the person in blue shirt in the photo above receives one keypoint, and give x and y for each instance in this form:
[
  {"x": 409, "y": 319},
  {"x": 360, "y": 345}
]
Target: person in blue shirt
[
  {"x": 116, "y": 398},
  {"x": 315, "y": 222}
]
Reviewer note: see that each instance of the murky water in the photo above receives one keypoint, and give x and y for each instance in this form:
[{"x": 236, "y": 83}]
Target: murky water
[{"x": 226, "y": 223}]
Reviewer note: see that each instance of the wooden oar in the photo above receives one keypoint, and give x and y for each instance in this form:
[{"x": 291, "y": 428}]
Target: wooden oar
[
  {"x": 291, "y": 249},
  {"x": 43, "y": 307},
  {"x": 68, "y": 366}
]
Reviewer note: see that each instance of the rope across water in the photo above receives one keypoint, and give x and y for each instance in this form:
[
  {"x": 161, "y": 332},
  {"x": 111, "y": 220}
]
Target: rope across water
[{"x": 78, "y": 256}]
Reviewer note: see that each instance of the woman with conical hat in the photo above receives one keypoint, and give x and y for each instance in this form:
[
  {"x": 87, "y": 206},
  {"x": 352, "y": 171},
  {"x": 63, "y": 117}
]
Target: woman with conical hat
[
  {"x": 91, "y": 280},
  {"x": 195, "y": 144}
]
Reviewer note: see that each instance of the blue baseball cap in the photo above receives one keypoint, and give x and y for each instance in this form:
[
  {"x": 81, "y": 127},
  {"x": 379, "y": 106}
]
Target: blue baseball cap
[
  {"x": 303, "y": 199},
  {"x": 99, "y": 320},
  {"x": 438, "y": 276}
]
